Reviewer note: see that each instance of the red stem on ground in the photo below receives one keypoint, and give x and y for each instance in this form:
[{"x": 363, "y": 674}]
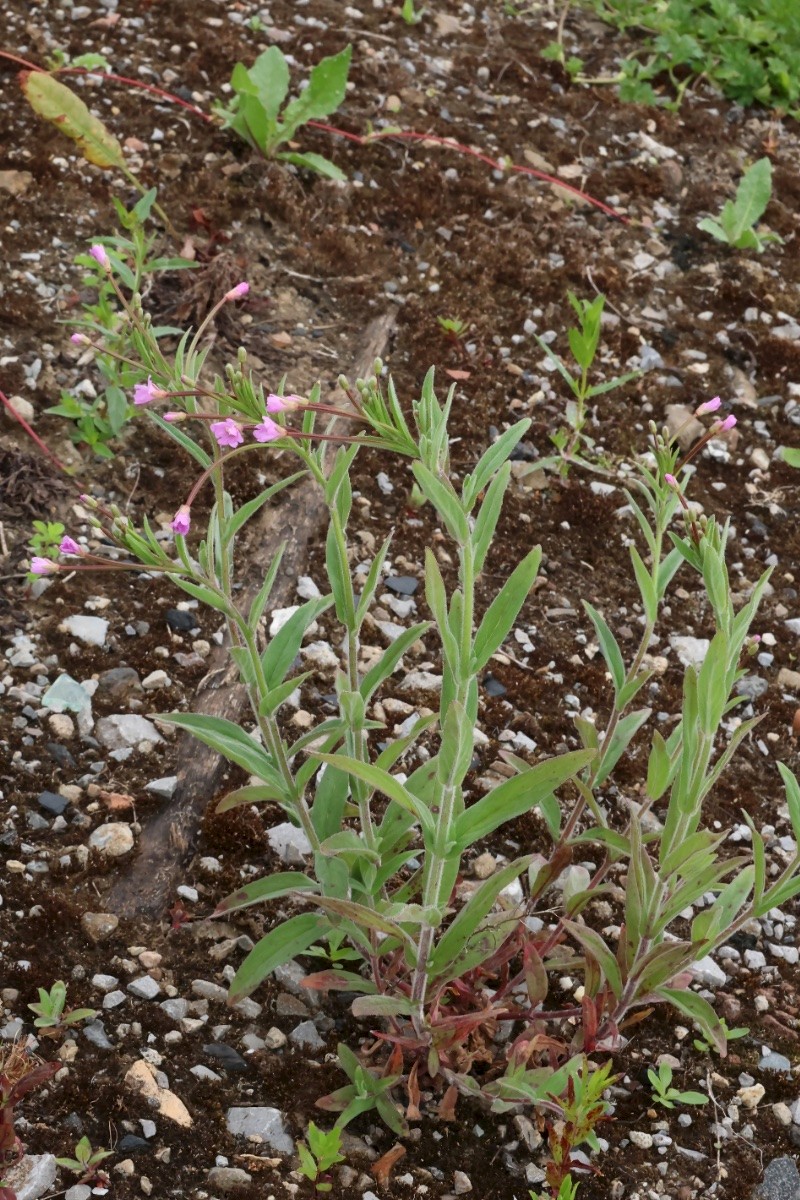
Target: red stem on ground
[
  {"x": 34, "y": 436},
  {"x": 357, "y": 138}
]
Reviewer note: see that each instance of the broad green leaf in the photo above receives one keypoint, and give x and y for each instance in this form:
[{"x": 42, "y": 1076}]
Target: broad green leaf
[
  {"x": 55, "y": 102},
  {"x": 790, "y": 455},
  {"x": 752, "y": 195},
  {"x": 520, "y": 794},
  {"x": 660, "y": 769},
  {"x": 278, "y": 946},
  {"x": 505, "y": 608},
  {"x": 268, "y": 78},
  {"x": 327, "y": 87},
  {"x": 270, "y": 887},
  {"x": 364, "y": 917},
  {"x": 313, "y": 162},
  {"x": 330, "y": 798}
]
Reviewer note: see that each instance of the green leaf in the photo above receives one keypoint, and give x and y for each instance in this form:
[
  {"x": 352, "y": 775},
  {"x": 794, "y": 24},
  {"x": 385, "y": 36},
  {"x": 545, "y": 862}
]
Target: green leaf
[
  {"x": 391, "y": 656},
  {"x": 790, "y": 455},
  {"x": 230, "y": 741},
  {"x": 625, "y": 731},
  {"x": 492, "y": 460},
  {"x": 255, "y": 793},
  {"x": 278, "y": 946},
  {"x": 248, "y": 510},
  {"x": 327, "y": 87},
  {"x": 701, "y": 1012},
  {"x": 268, "y": 79},
  {"x": 752, "y": 195},
  {"x": 445, "y": 501},
  {"x": 489, "y": 515},
  {"x": 520, "y": 794},
  {"x": 608, "y": 646},
  {"x": 505, "y": 608},
  {"x": 382, "y": 1006},
  {"x": 260, "y": 602},
  {"x": 646, "y": 586},
  {"x": 59, "y": 105},
  {"x": 455, "y": 938},
  {"x": 594, "y": 945},
  {"x": 282, "y": 650},
  {"x": 383, "y": 782},
  {"x": 313, "y": 162},
  {"x": 269, "y": 887}
]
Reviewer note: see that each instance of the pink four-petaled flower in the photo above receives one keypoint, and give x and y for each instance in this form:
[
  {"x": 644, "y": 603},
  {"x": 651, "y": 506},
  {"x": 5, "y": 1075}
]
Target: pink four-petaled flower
[
  {"x": 227, "y": 432},
  {"x": 145, "y": 393},
  {"x": 267, "y": 431},
  {"x": 43, "y": 566},
  {"x": 182, "y": 520}
]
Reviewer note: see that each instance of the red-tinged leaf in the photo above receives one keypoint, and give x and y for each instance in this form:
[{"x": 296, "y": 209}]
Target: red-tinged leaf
[
  {"x": 447, "y": 1105},
  {"x": 32, "y": 1080},
  {"x": 382, "y": 1169},
  {"x": 413, "y": 1112},
  {"x": 337, "y": 981},
  {"x": 459, "y": 376}
]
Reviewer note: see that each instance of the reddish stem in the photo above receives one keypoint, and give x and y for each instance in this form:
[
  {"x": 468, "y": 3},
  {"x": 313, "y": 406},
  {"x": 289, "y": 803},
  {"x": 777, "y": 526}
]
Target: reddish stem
[{"x": 34, "y": 436}]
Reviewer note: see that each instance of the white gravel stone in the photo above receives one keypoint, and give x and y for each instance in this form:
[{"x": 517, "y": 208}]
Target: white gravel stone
[
  {"x": 112, "y": 840},
  {"x": 691, "y": 651},
  {"x": 125, "y": 730},
  {"x": 162, "y": 787},
  {"x": 289, "y": 842},
  {"x": 266, "y": 1123},
  {"x": 32, "y": 1177},
  {"x": 754, "y": 959},
  {"x": 421, "y": 681},
  {"x": 156, "y": 680},
  {"x": 643, "y": 1140},
  {"x": 321, "y": 656},
  {"x": 145, "y": 988},
  {"x": 706, "y": 971},
  {"x": 91, "y": 630}
]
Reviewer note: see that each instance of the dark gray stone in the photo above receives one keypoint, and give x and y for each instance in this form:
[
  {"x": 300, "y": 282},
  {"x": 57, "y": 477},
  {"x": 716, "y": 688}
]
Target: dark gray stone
[
  {"x": 402, "y": 585},
  {"x": 53, "y": 803},
  {"x": 781, "y": 1181}
]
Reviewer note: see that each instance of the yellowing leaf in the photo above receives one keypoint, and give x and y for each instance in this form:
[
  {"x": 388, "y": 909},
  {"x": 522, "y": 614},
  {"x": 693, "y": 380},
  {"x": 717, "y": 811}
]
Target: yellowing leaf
[{"x": 59, "y": 105}]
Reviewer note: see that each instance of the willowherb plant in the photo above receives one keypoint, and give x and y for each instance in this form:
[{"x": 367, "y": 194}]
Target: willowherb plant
[
  {"x": 574, "y": 446},
  {"x": 436, "y": 967}
]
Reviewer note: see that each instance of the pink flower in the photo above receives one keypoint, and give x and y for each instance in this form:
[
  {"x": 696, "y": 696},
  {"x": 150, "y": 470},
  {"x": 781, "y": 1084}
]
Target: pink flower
[
  {"x": 79, "y": 339},
  {"x": 174, "y": 416},
  {"x": 69, "y": 546},
  {"x": 267, "y": 431},
  {"x": 227, "y": 432},
  {"x": 99, "y": 255},
  {"x": 671, "y": 480},
  {"x": 709, "y": 407},
  {"x": 237, "y": 292},
  {"x": 144, "y": 393},
  {"x": 276, "y": 404},
  {"x": 43, "y": 566},
  {"x": 728, "y": 423},
  {"x": 182, "y": 520}
]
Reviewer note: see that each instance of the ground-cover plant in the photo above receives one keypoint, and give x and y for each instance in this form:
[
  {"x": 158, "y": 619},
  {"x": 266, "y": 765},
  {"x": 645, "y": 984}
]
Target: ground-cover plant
[
  {"x": 749, "y": 49},
  {"x": 53, "y": 1016},
  {"x": 730, "y": 1035},
  {"x": 98, "y": 422},
  {"x": 575, "y": 447},
  {"x": 86, "y": 1163},
  {"x": 452, "y": 327},
  {"x": 436, "y": 967},
  {"x": 20, "y": 1073},
  {"x": 736, "y": 224},
  {"x": 46, "y": 538},
  {"x": 411, "y": 14},
  {"x": 322, "y": 1151},
  {"x": 257, "y": 113},
  {"x": 665, "y": 1094}
]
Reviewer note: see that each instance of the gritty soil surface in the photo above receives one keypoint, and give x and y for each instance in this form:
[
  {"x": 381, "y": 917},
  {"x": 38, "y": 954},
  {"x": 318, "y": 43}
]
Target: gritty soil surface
[{"x": 421, "y": 231}]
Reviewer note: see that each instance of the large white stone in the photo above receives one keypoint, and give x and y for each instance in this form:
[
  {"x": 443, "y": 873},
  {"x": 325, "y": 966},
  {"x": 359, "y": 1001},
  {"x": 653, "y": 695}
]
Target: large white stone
[{"x": 91, "y": 630}]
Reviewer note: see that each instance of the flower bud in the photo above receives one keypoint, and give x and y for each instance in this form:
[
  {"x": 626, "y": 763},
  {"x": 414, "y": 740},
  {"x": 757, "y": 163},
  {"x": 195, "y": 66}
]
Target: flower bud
[
  {"x": 182, "y": 520},
  {"x": 237, "y": 292},
  {"x": 99, "y": 255},
  {"x": 709, "y": 407}
]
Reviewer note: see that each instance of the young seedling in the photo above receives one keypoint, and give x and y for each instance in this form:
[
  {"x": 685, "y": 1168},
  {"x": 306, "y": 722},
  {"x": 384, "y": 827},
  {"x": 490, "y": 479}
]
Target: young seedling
[
  {"x": 736, "y": 224},
  {"x": 453, "y": 328},
  {"x": 53, "y": 1019},
  {"x": 576, "y": 448},
  {"x": 666, "y": 1095},
  {"x": 731, "y": 1035},
  {"x": 46, "y": 538},
  {"x": 410, "y": 14},
  {"x": 257, "y": 115},
  {"x": 321, "y": 1153},
  {"x": 86, "y": 1161}
]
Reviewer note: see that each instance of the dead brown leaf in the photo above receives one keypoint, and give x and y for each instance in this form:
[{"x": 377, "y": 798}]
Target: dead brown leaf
[{"x": 383, "y": 1168}]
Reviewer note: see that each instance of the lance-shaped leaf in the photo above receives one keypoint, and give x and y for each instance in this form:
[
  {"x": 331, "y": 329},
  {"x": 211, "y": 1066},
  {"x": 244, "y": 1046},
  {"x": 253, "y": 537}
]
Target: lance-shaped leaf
[
  {"x": 383, "y": 782},
  {"x": 382, "y": 1006},
  {"x": 700, "y": 1011},
  {"x": 270, "y": 887},
  {"x": 284, "y": 646},
  {"x": 609, "y": 647},
  {"x": 505, "y": 608},
  {"x": 278, "y": 946},
  {"x": 518, "y": 795},
  {"x": 230, "y": 741},
  {"x": 59, "y": 105},
  {"x": 594, "y": 945}
]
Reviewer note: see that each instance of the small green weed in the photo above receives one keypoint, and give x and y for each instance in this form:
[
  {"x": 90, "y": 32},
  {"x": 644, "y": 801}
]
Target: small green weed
[
  {"x": 52, "y": 1017},
  {"x": 86, "y": 1160},
  {"x": 255, "y": 113},
  {"x": 322, "y": 1152},
  {"x": 736, "y": 223},
  {"x": 749, "y": 49},
  {"x": 730, "y": 1035},
  {"x": 410, "y": 14},
  {"x": 452, "y": 327},
  {"x": 668, "y": 1096},
  {"x": 46, "y": 538}
]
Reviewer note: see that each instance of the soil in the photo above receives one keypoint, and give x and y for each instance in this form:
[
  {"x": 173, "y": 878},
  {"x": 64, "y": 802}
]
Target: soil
[{"x": 424, "y": 231}]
